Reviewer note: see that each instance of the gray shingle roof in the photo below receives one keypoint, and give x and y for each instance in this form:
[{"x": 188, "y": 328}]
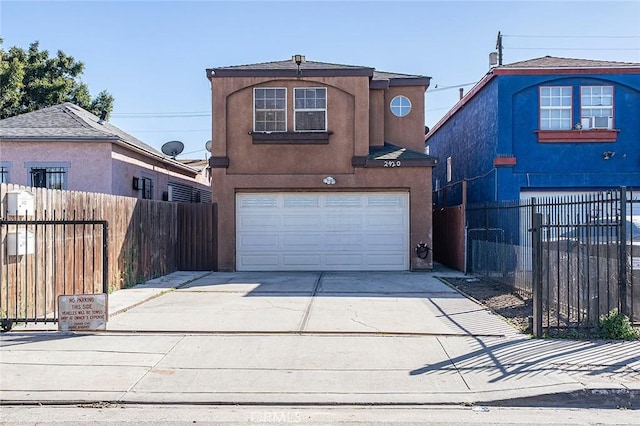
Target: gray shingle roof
[
  {"x": 66, "y": 121},
  {"x": 390, "y": 151},
  {"x": 306, "y": 66},
  {"x": 556, "y": 62},
  {"x": 291, "y": 65},
  {"x": 69, "y": 122}
]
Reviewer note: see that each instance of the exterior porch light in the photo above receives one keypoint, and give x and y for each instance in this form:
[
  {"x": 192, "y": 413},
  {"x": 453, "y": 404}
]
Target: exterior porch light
[
  {"x": 298, "y": 60},
  {"x": 329, "y": 180}
]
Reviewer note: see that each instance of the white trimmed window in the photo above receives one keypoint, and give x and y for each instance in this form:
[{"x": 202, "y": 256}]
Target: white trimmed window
[
  {"x": 596, "y": 107},
  {"x": 310, "y": 109},
  {"x": 269, "y": 109},
  {"x": 555, "y": 108}
]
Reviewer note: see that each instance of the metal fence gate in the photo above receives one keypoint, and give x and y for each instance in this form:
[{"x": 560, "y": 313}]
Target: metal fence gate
[
  {"x": 586, "y": 259},
  {"x": 41, "y": 259}
]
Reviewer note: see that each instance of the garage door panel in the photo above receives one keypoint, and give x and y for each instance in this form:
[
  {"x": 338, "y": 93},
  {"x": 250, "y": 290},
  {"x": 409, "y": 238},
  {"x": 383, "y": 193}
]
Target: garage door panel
[
  {"x": 344, "y": 241},
  {"x": 385, "y": 262},
  {"x": 301, "y": 241},
  {"x": 296, "y": 261},
  {"x": 258, "y": 221},
  {"x": 263, "y": 241},
  {"x": 267, "y": 261},
  {"x": 388, "y": 239},
  {"x": 344, "y": 260},
  {"x": 320, "y": 231},
  {"x": 300, "y": 221}
]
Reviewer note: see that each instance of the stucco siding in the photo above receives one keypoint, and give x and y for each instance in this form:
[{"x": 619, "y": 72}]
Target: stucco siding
[
  {"x": 470, "y": 138},
  {"x": 89, "y": 163},
  {"x": 407, "y": 131}
]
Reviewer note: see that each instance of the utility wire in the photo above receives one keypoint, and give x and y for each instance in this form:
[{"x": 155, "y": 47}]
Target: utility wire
[{"x": 567, "y": 36}]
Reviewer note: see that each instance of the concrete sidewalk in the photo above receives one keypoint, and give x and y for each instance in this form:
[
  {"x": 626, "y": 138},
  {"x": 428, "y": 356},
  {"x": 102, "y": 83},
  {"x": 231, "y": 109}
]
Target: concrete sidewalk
[{"x": 312, "y": 362}]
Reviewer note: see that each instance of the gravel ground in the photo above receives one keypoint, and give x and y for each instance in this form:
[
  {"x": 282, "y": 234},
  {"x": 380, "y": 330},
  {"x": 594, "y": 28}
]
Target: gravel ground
[{"x": 498, "y": 297}]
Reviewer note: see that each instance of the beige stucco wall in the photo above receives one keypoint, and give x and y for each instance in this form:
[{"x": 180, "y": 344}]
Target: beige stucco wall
[
  {"x": 357, "y": 116},
  {"x": 407, "y": 131}
]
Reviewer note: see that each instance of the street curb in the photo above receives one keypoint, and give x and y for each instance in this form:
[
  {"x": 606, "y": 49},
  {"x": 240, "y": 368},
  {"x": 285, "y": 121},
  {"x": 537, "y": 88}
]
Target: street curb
[{"x": 585, "y": 398}]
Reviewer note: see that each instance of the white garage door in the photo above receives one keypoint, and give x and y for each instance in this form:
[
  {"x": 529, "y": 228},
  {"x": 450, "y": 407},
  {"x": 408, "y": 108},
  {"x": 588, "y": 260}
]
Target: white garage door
[{"x": 322, "y": 231}]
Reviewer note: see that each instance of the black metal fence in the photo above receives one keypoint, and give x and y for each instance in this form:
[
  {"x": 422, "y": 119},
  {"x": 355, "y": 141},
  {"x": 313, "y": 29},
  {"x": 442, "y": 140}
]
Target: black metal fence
[
  {"x": 43, "y": 258},
  {"x": 578, "y": 257}
]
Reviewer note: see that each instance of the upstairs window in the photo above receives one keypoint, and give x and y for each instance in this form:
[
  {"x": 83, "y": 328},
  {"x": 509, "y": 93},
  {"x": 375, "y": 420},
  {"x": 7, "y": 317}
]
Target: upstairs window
[
  {"x": 270, "y": 109},
  {"x": 48, "y": 177},
  {"x": 310, "y": 109},
  {"x": 596, "y": 107},
  {"x": 4, "y": 174},
  {"x": 555, "y": 108},
  {"x": 400, "y": 106}
]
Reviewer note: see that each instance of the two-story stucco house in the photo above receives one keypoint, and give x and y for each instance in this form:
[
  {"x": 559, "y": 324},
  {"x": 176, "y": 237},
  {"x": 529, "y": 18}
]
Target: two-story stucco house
[
  {"x": 67, "y": 147},
  {"x": 542, "y": 127},
  {"x": 319, "y": 166}
]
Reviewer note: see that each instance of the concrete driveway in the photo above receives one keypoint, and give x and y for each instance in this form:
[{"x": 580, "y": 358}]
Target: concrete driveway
[{"x": 314, "y": 302}]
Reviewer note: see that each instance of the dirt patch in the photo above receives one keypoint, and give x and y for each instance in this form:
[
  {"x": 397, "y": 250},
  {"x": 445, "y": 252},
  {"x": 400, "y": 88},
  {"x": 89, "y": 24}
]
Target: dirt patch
[{"x": 498, "y": 297}]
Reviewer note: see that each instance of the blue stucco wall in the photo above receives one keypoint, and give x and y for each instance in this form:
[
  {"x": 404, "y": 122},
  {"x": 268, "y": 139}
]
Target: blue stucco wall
[
  {"x": 502, "y": 119},
  {"x": 470, "y": 138}
]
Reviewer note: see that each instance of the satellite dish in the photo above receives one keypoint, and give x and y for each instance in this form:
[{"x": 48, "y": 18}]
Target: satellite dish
[
  {"x": 172, "y": 148},
  {"x": 207, "y": 146}
]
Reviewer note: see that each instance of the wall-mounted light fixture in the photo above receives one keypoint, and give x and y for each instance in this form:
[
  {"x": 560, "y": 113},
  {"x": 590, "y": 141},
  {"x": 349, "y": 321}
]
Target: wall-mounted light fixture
[
  {"x": 608, "y": 154},
  {"x": 298, "y": 60},
  {"x": 329, "y": 180}
]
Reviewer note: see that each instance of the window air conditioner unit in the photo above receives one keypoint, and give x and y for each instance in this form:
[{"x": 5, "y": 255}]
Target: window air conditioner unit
[{"x": 596, "y": 122}]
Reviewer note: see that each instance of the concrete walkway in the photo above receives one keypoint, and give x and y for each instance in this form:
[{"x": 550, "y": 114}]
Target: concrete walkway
[{"x": 309, "y": 338}]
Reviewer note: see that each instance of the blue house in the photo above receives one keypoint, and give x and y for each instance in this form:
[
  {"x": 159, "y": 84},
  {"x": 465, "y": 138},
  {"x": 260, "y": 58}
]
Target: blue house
[{"x": 541, "y": 127}]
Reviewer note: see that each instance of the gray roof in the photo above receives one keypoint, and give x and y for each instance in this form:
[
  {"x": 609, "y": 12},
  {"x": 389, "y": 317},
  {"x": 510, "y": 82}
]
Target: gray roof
[
  {"x": 69, "y": 122},
  {"x": 291, "y": 65},
  {"x": 552, "y": 62},
  {"x": 389, "y": 151},
  {"x": 315, "y": 68},
  {"x": 66, "y": 122}
]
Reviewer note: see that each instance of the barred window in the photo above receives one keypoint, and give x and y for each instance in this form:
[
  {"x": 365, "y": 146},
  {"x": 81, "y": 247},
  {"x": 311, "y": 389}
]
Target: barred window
[{"x": 48, "y": 177}]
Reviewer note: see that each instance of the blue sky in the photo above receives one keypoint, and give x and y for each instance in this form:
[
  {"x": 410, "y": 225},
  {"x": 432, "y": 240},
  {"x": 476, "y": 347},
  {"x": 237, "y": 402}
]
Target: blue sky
[{"x": 152, "y": 55}]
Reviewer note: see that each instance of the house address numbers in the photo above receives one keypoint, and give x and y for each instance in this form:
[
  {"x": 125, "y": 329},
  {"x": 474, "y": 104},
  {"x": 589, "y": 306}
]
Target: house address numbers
[{"x": 392, "y": 163}]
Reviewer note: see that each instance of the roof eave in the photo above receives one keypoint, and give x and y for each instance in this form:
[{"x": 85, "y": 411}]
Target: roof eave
[{"x": 288, "y": 73}]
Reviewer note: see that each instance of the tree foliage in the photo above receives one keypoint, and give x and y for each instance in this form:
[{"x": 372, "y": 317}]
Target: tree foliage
[{"x": 31, "y": 80}]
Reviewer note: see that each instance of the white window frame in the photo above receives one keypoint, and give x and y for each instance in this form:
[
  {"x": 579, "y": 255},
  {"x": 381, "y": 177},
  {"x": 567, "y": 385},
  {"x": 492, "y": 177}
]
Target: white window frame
[
  {"x": 545, "y": 123},
  {"x": 284, "y": 109},
  {"x": 449, "y": 173},
  {"x": 587, "y": 112},
  {"x": 396, "y": 103},
  {"x": 295, "y": 109}
]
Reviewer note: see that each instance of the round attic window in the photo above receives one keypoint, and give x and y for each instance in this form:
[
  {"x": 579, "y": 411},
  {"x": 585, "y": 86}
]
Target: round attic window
[{"x": 400, "y": 106}]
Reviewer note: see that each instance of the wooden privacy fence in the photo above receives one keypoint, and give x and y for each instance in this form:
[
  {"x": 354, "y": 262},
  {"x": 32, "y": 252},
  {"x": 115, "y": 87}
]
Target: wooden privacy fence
[{"x": 146, "y": 239}]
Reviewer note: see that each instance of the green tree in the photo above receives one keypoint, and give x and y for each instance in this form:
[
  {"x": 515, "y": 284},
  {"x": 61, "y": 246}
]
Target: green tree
[{"x": 31, "y": 80}]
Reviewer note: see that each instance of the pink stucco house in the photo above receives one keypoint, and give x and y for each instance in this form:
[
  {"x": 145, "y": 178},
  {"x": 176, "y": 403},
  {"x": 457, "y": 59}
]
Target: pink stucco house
[{"x": 67, "y": 147}]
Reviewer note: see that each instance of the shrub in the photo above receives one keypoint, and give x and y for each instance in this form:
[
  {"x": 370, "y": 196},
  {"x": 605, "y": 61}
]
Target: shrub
[{"x": 617, "y": 326}]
